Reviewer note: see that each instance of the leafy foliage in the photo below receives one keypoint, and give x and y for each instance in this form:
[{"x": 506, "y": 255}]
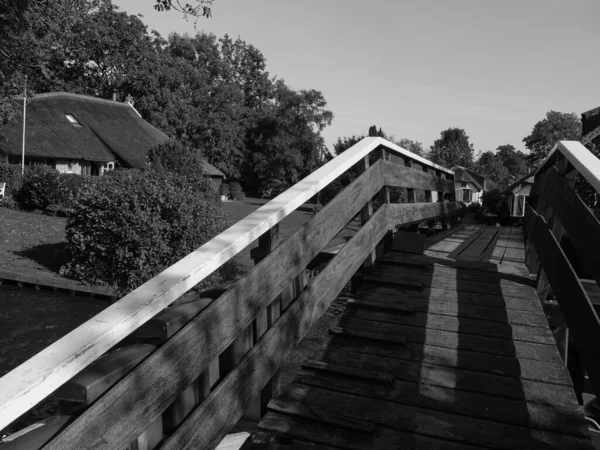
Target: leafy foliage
[
  {"x": 11, "y": 175},
  {"x": 412, "y": 146},
  {"x": 556, "y": 126},
  {"x": 42, "y": 186},
  {"x": 452, "y": 149},
  {"x": 211, "y": 94},
  {"x": 176, "y": 158},
  {"x": 129, "y": 225}
]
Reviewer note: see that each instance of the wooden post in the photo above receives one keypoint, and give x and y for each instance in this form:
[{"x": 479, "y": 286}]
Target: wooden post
[
  {"x": 384, "y": 198},
  {"x": 410, "y": 193},
  {"x": 443, "y": 220},
  {"x": 365, "y": 215}
]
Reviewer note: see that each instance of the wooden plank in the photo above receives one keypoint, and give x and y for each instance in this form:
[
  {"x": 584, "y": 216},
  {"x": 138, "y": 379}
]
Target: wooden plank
[
  {"x": 381, "y": 438},
  {"x": 138, "y": 401},
  {"x": 502, "y": 289},
  {"x": 407, "y": 305},
  {"x": 552, "y": 371},
  {"x": 397, "y": 175},
  {"x": 347, "y": 371},
  {"x": 406, "y": 213},
  {"x": 460, "y": 379},
  {"x": 437, "y": 424},
  {"x": 578, "y": 311},
  {"x": 497, "y": 301},
  {"x": 368, "y": 335},
  {"x": 529, "y": 415},
  {"x": 541, "y": 335},
  {"x": 452, "y": 340},
  {"x": 34, "y": 380},
  {"x": 443, "y": 271},
  {"x": 226, "y": 403},
  {"x": 337, "y": 420},
  {"x": 474, "y": 236}
]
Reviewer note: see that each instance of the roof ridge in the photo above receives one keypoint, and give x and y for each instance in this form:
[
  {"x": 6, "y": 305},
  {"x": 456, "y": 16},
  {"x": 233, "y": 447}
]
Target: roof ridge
[{"x": 79, "y": 97}]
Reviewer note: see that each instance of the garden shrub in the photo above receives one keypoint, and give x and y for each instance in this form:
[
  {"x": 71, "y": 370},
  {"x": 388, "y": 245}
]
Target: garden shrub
[
  {"x": 235, "y": 191},
  {"x": 42, "y": 186},
  {"x": 473, "y": 207},
  {"x": 11, "y": 175},
  {"x": 177, "y": 158},
  {"x": 129, "y": 225}
]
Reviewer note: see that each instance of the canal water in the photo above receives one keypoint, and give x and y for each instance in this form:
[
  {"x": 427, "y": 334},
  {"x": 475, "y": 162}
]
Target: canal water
[{"x": 31, "y": 320}]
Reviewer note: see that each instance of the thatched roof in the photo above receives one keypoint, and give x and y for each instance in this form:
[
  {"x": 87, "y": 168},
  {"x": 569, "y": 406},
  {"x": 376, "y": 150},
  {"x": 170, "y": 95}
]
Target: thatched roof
[
  {"x": 464, "y": 175},
  {"x": 107, "y": 131},
  {"x": 527, "y": 179}
]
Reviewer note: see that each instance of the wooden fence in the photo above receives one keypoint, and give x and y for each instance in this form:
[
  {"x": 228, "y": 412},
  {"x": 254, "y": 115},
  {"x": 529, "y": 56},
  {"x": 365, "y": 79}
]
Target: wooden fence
[
  {"x": 563, "y": 248},
  {"x": 144, "y": 374}
]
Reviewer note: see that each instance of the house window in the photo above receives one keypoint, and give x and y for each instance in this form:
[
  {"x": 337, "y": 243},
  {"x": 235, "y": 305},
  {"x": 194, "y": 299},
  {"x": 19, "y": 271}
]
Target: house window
[
  {"x": 466, "y": 195},
  {"x": 71, "y": 118}
]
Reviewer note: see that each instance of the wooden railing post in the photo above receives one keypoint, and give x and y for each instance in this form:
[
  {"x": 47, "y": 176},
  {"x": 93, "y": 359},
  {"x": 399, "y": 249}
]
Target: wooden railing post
[
  {"x": 410, "y": 193},
  {"x": 384, "y": 198},
  {"x": 365, "y": 215},
  {"x": 444, "y": 220}
]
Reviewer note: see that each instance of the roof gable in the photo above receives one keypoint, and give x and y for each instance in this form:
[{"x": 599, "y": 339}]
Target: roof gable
[{"x": 464, "y": 175}]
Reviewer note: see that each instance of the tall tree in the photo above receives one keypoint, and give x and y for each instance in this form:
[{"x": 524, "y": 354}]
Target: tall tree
[
  {"x": 411, "y": 146},
  {"x": 491, "y": 166},
  {"x": 452, "y": 149},
  {"x": 547, "y": 132}
]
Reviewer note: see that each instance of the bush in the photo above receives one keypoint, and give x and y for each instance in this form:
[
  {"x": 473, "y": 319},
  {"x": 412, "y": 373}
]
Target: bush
[
  {"x": 473, "y": 207},
  {"x": 11, "y": 175},
  {"x": 42, "y": 186},
  {"x": 176, "y": 158},
  {"x": 235, "y": 191},
  {"x": 129, "y": 225},
  {"x": 491, "y": 198}
]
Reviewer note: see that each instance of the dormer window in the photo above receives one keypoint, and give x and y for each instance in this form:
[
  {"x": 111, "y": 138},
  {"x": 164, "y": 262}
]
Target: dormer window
[{"x": 71, "y": 118}]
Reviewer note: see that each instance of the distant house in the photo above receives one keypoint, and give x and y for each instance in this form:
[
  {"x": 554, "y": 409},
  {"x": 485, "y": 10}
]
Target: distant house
[
  {"x": 84, "y": 135},
  {"x": 469, "y": 185},
  {"x": 590, "y": 122},
  {"x": 517, "y": 193}
]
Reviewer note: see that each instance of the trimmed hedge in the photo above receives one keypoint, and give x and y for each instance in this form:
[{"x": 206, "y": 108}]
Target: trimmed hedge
[
  {"x": 42, "y": 186},
  {"x": 129, "y": 225}
]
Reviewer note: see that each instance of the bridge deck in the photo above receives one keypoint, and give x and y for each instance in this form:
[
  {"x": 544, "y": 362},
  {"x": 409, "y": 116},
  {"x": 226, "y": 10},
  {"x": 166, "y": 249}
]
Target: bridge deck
[{"x": 450, "y": 349}]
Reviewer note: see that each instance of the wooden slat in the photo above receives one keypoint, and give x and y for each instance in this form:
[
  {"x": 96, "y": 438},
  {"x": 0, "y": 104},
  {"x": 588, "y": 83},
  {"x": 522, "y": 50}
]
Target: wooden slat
[
  {"x": 436, "y": 424},
  {"x": 474, "y": 236},
  {"x": 432, "y": 306},
  {"x": 441, "y": 294},
  {"x": 575, "y": 305},
  {"x": 397, "y": 175},
  {"x": 461, "y": 379},
  {"x": 384, "y": 438},
  {"x": 138, "y": 401},
  {"x": 407, "y": 213},
  {"x": 511, "y": 290},
  {"x": 347, "y": 371},
  {"x": 529, "y": 415},
  {"x": 374, "y": 336},
  {"x": 552, "y": 371},
  {"x": 225, "y": 405},
  {"x": 500, "y": 330},
  {"x": 452, "y": 339}
]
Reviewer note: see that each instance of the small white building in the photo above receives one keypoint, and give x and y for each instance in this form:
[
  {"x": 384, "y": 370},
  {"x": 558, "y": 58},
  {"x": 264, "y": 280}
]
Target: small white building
[
  {"x": 517, "y": 195},
  {"x": 469, "y": 185}
]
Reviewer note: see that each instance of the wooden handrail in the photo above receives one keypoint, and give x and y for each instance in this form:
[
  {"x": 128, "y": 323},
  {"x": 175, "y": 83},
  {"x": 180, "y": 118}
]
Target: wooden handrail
[
  {"x": 41, "y": 375},
  {"x": 580, "y": 157}
]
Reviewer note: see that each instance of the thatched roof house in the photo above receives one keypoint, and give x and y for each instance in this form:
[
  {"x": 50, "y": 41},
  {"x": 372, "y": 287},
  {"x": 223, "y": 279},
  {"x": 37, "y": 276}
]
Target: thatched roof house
[
  {"x": 517, "y": 194},
  {"x": 469, "y": 185},
  {"x": 86, "y": 135}
]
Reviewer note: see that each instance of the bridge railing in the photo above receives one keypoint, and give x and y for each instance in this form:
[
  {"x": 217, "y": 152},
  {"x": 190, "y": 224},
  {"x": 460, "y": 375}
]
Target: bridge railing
[
  {"x": 142, "y": 374},
  {"x": 563, "y": 248}
]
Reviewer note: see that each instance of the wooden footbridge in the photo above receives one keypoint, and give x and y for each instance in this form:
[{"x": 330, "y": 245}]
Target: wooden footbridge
[{"x": 446, "y": 348}]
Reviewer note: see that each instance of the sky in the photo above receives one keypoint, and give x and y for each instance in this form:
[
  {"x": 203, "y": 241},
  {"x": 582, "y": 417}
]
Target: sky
[{"x": 417, "y": 67}]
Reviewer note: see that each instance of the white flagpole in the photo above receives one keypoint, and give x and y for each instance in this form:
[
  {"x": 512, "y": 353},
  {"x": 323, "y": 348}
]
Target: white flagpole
[{"x": 24, "y": 113}]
